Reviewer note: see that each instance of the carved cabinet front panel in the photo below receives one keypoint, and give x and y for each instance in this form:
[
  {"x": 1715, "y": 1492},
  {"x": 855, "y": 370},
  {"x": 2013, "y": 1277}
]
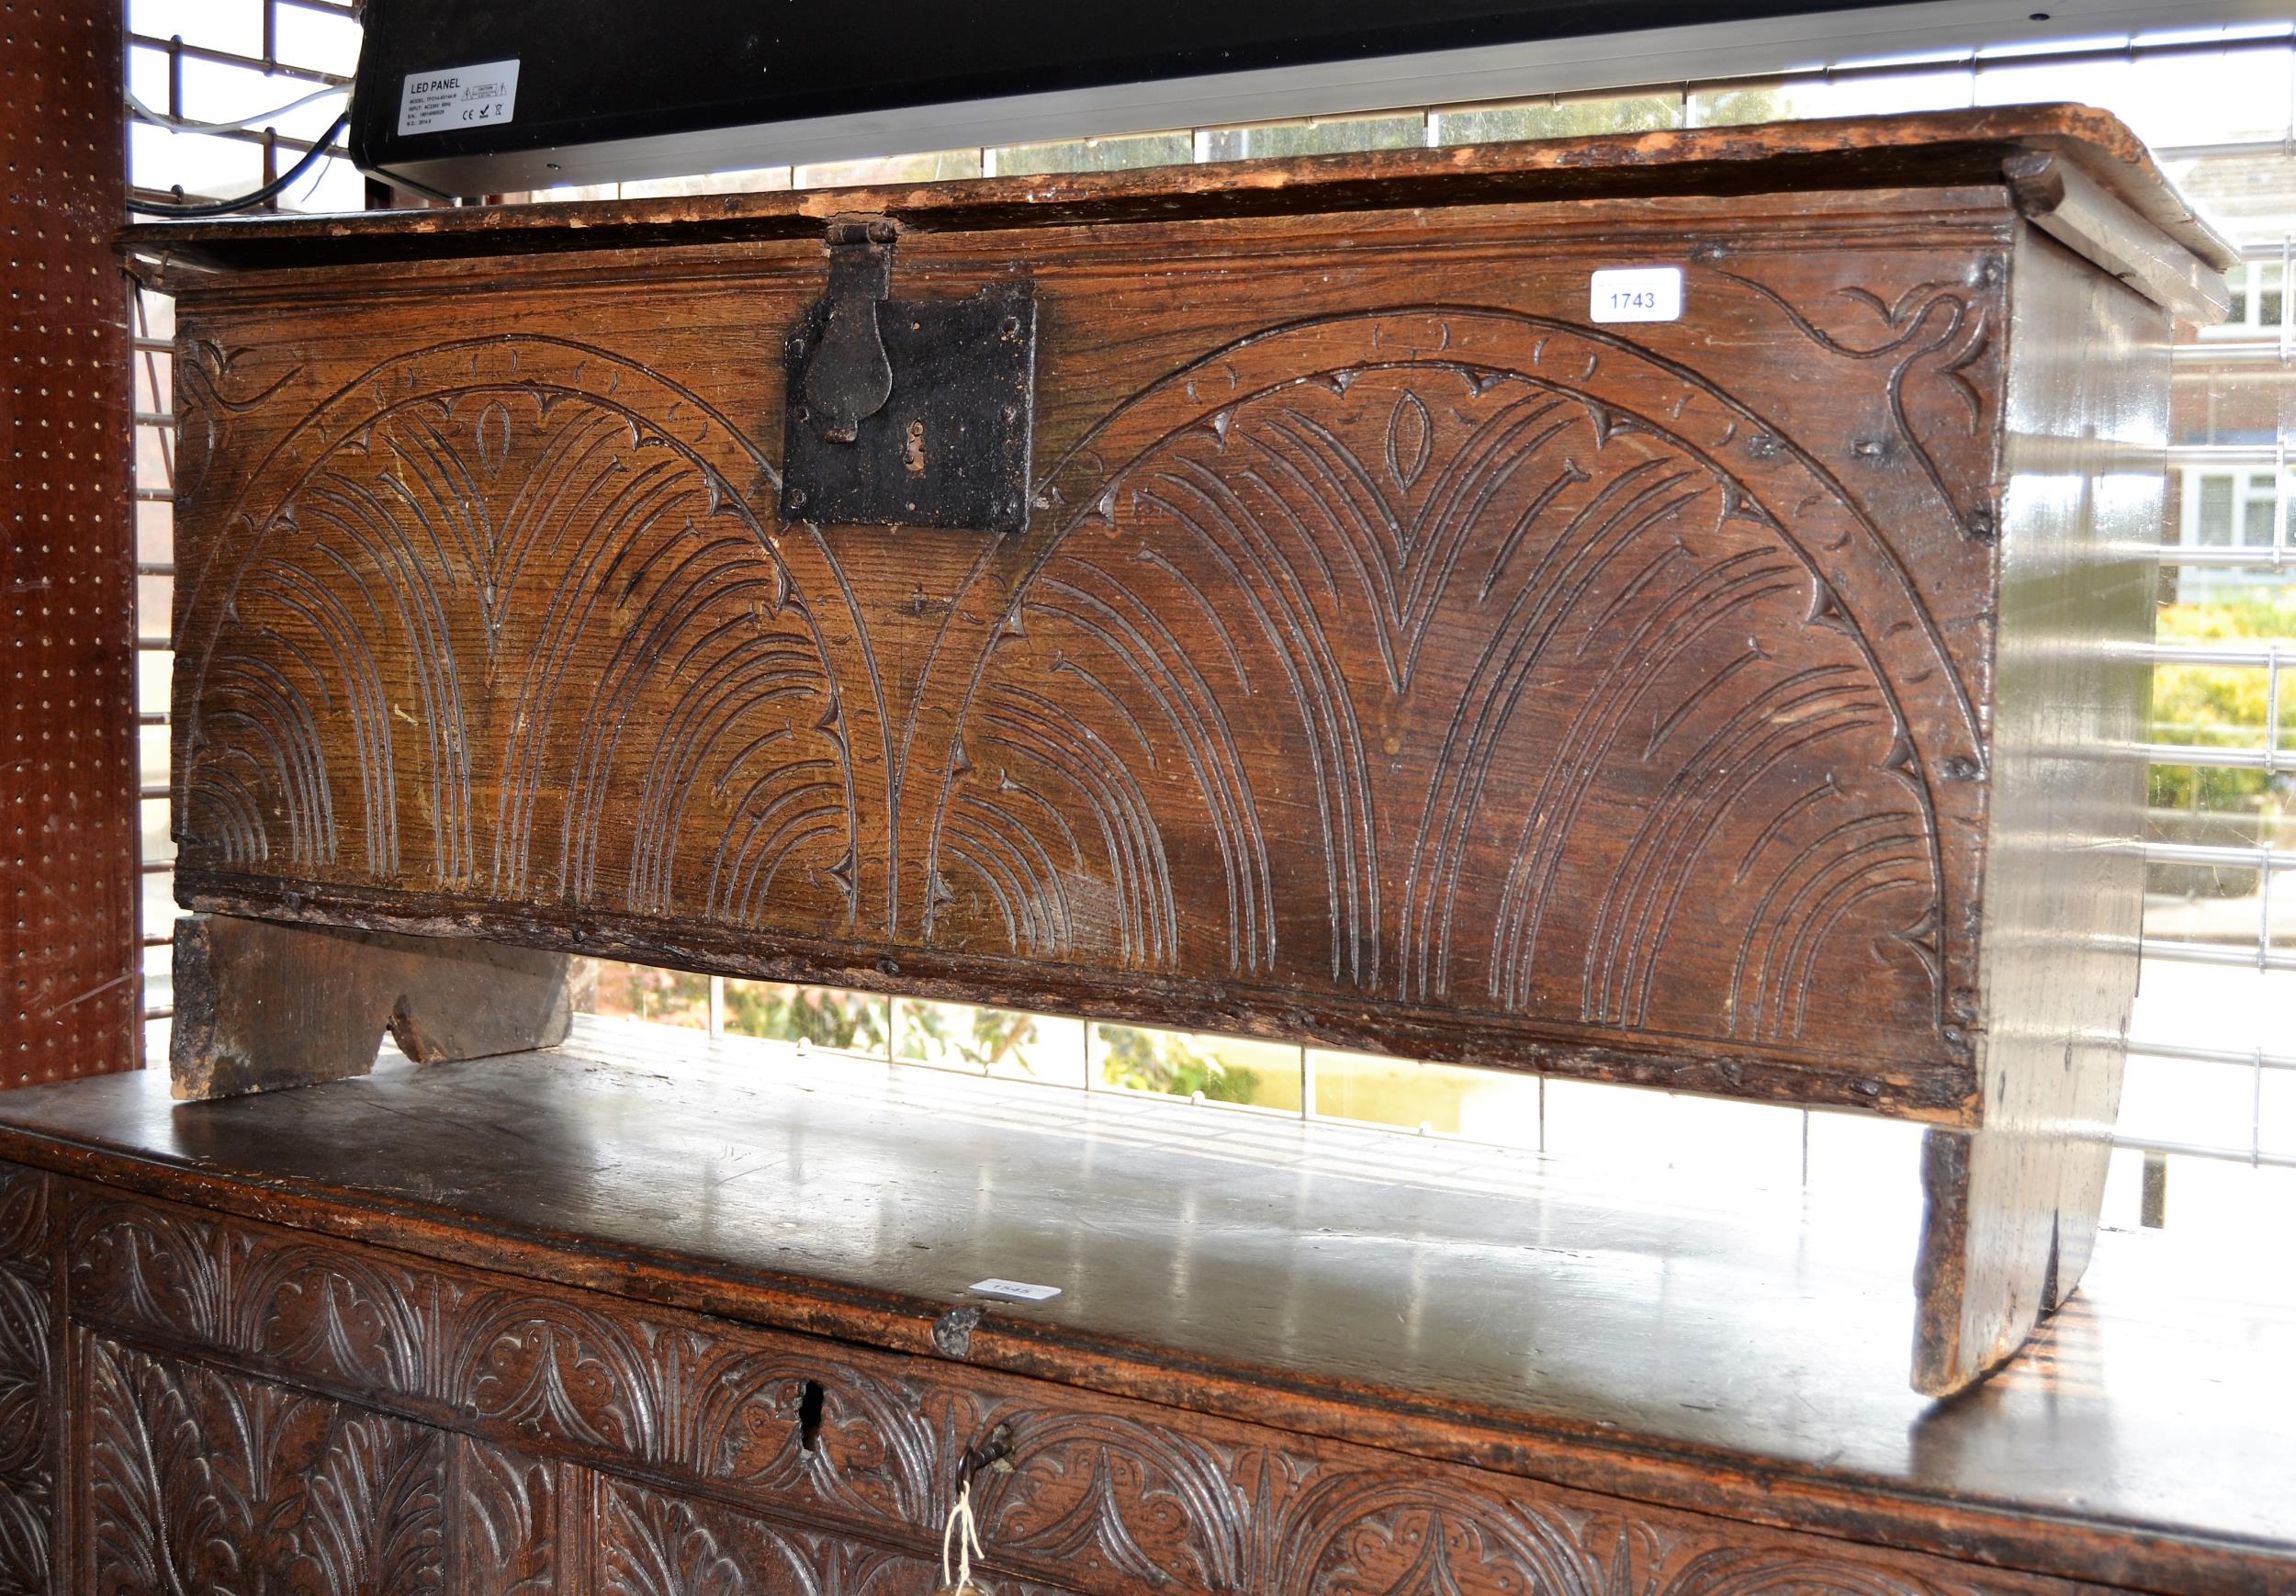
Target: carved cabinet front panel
[
  {"x": 1488, "y": 684},
  {"x": 28, "y": 1411},
  {"x": 653, "y": 1545},
  {"x": 262, "y": 1410},
  {"x": 197, "y": 1479},
  {"x": 503, "y": 1534}
]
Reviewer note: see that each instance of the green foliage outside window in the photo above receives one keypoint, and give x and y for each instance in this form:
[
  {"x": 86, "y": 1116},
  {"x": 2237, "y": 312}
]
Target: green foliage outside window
[
  {"x": 2221, "y": 707},
  {"x": 974, "y": 1039},
  {"x": 1173, "y": 1062},
  {"x": 663, "y": 996},
  {"x": 820, "y": 1017},
  {"x": 1562, "y": 120},
  {"x": 1737, "y": 108}
]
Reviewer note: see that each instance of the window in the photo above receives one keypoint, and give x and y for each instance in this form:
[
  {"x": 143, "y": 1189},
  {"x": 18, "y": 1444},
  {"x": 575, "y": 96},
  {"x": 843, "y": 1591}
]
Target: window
[
  {"x": 2260, "y": 301},
  {"x": 2233, "y": 508},
  {"x": 223, "y": 64},
  {"x": 2212, "y": 1084}
]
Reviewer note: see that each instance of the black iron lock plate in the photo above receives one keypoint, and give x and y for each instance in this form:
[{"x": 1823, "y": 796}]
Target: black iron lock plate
[{"x": 914, "y": 412}]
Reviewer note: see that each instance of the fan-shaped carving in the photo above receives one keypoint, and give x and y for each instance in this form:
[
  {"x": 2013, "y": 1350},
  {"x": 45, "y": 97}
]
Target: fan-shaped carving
[
  {"x": 1447, "y": 658},
  {"x": 1398, "y": 654},
  {"x": 527, "y": 580},
  {"x": 199, "y": 1481}
]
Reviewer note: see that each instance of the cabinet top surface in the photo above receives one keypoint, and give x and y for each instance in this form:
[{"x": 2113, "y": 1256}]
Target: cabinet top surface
[
  {"x": 1925, "y": 148},
  {"x": 1427, "y": 1292}
]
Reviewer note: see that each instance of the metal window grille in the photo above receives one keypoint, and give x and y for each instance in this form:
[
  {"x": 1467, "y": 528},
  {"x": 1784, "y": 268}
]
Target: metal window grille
[
  {"x": 215, "y": 62},
  {"x": 2212, "y": 1075}
]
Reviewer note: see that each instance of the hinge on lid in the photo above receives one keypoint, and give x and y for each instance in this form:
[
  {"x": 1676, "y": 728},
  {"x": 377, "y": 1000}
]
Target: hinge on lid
[{"x": 912, "y": 412}]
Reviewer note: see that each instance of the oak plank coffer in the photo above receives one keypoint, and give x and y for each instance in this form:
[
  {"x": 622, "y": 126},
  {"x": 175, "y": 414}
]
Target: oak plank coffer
[{"x": 1281, "y": 598}]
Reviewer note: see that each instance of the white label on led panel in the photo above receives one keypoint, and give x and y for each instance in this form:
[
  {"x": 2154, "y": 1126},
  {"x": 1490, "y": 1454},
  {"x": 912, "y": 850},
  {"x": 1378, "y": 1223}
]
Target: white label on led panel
[
  {"x": 1636, "y": 294},
  {"x": 1018, "y": 1290},
  {"x": 458, "y": 96}
]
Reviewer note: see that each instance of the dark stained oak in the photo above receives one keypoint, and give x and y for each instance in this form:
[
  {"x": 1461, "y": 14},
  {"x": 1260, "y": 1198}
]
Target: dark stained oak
[
  {"x": 196, "y": 1480},
  {"x": 29, "y": 1418},
  {"x": 1393, "y": 657},
  {"x": 1371, "y": 672},
  {"x": 1286, "y": 1360}
]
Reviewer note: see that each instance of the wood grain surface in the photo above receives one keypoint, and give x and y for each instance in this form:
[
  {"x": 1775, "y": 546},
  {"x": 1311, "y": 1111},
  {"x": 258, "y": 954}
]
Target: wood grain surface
[
  {"x": 260, "y": 1007},
  {"x": 1280, "y": 1363},
  {"x": 1392, "y": 656},
  {"x": 2013, "y": 1205},
  {"x": 31, "y": 1418},
  {"x": 1934, "y": 149}
]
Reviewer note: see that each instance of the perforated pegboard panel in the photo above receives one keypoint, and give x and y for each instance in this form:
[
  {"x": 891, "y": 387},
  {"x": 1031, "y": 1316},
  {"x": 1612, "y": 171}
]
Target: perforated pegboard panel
[{"x": 68, "y": 868}]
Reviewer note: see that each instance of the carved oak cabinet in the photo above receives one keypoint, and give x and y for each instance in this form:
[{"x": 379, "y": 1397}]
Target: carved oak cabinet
[
  {"x": 1282, "y": 598},
  {"x": 583, "y": 1322}
]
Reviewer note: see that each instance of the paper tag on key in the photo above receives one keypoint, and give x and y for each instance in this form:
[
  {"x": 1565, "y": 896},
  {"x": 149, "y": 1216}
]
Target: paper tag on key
[{"x": 1015, "y": 1290}]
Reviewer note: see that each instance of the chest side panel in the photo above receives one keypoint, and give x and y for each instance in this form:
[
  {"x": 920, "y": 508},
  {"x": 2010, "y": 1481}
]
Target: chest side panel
[{"x": 1393, "y": 654}]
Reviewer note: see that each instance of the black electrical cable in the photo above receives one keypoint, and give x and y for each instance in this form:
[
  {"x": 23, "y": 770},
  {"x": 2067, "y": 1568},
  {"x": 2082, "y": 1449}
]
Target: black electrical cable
[{"x": 277, "y": 186}]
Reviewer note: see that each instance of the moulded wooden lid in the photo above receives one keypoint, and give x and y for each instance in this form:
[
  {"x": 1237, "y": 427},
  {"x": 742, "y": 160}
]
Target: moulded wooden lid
[{"x": 1919, "y": 150}]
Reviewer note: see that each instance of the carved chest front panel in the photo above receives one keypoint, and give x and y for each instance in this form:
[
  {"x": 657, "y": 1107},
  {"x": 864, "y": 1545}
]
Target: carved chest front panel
[{"x": 1393, "y": 654}]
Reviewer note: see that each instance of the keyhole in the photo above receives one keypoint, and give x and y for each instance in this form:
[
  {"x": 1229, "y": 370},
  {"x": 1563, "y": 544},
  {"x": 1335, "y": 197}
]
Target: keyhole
[{"x": 809, "y": 1415}]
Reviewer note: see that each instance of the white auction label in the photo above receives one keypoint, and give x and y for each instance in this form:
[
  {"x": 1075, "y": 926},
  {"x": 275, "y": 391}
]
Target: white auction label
[
  {"x": 1017, "y": 1291},
  {"x": 458, "y": 96},
  {"x": 1636, "y": 294}
]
